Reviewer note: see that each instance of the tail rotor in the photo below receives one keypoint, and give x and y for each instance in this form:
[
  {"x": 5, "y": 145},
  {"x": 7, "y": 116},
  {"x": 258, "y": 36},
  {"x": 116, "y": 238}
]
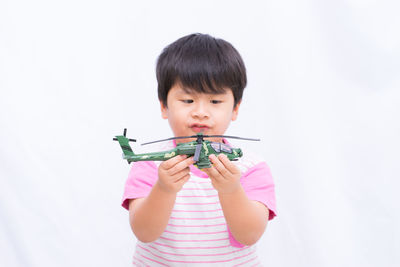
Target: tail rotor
[{"x": 129, "y": 139}]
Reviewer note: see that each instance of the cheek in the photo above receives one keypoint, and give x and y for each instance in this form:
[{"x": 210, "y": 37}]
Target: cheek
[
  {"x": 224, "y": 120},
  {"x": 228, "y": 115},
  {"x": 177, "y": 115}
]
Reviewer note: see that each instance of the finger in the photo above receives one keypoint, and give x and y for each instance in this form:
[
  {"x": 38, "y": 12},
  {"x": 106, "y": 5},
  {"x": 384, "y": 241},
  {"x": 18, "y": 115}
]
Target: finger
[
  {"x": 213, "y": 173},
  {"x": 229, "y": 165},
  {"x": 184, "y": 179},
  {"x": 168, "y": 164},
  {"x": 178, "y": 176},
  {"x": 219, "y": 166},
  {"x": 181, "y": 166},
  {"x": 184, "y": 163}
]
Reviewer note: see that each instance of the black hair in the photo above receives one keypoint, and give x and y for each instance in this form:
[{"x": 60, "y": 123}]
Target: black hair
[{"x": 201, "y": 63}]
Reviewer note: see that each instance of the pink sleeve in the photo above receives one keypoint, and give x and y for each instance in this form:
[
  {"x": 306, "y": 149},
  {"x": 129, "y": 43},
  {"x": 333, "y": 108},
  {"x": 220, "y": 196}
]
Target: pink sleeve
[
  {"x": 258, "y": 184},
  {"x": 142, "y": 177}
]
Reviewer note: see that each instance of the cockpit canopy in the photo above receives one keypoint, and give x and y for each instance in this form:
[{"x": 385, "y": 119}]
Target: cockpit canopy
[{"x": 219, "y": 147}]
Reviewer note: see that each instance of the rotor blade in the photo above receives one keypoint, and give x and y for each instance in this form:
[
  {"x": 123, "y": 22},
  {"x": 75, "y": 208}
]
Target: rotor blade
[
  {"x": 202, "y": 136},
  {"x": 197, "y": 153},
  {"x": 172, "y": 138},
  {"x": 233, "y": 137}
]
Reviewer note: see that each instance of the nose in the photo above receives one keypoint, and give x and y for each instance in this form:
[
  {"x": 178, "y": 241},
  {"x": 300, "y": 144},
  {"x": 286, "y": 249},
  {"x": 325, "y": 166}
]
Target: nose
[{"x": 200, "y": 110}]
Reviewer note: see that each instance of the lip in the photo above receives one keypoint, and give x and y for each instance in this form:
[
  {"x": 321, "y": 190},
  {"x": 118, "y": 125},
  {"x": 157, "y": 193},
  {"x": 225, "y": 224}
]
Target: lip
[{"x": 199, "y": 127}]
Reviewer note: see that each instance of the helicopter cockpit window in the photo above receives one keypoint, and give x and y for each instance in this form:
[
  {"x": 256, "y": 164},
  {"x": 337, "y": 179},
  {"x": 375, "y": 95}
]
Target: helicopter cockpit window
[
  {"x": 219, "y": 147},
  {"x": 226, "y": 148},
  {"x": 216, "y": 147}
]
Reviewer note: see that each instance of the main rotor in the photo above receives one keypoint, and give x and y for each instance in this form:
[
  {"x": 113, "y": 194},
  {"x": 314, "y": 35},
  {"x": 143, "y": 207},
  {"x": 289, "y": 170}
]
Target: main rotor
[{"x": 200, "y": 138}]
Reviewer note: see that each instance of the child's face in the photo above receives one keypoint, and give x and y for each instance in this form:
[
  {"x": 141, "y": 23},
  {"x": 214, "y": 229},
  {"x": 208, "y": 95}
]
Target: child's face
[{"x": 191, "y": 113}]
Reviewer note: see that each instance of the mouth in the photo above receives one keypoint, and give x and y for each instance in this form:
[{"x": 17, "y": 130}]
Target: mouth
[{"x": 198, "y": 128}]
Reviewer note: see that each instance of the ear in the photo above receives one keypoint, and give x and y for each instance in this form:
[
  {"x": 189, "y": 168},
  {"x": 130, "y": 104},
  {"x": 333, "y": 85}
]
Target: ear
[
  {"x": 235, "y": 111},
  {"x": 164, "y": 110}
]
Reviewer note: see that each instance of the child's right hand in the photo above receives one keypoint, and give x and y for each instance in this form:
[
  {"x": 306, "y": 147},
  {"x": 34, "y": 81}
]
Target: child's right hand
[{"x": 174, "y": 173}]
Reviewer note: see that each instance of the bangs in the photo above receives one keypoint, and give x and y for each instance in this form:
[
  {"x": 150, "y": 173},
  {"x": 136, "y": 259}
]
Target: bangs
[{"x": 207, "y": 81}]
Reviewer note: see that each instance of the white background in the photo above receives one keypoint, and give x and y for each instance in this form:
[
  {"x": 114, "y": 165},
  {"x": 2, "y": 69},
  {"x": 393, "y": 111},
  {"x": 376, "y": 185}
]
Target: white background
[{"x": 323, "y": 95}]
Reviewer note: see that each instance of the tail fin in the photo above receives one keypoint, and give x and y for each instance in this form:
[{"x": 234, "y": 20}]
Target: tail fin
[{"x": 126, "y": 148}]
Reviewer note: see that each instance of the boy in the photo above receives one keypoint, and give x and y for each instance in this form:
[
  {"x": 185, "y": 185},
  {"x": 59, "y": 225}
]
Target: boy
[{"x": 182, "y": 215}]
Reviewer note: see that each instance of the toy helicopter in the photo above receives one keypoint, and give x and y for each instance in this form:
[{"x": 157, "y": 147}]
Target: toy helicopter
[{"x": 200, "y": 149}]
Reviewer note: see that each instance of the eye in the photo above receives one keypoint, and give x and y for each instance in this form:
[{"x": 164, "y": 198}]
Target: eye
[
  {"x": 216, "y": 101},
  {"x": 187, "y": 101}
]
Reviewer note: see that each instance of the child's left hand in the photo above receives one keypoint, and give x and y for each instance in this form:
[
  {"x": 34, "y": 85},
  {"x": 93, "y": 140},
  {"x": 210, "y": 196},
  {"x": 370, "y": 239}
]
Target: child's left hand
[{"x": 224, "y": 174}]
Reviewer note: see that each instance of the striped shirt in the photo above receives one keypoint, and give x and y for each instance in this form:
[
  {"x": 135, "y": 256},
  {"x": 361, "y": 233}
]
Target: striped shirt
[{"x": 197, "y": 233}]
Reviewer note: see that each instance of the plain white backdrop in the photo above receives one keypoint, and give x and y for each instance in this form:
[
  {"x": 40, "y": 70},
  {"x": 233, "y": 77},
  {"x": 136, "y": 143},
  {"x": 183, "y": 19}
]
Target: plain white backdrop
[{"x": 323, "y": 95}]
